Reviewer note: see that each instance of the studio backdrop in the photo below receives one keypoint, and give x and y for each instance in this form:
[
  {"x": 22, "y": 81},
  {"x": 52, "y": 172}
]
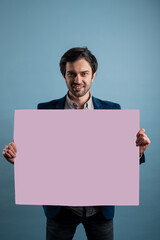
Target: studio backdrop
[{"x": 124, "y": 36}]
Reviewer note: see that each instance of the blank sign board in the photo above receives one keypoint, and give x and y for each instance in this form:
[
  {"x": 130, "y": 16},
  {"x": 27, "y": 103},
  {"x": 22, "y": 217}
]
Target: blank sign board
[{"x": 76, "y": 157}]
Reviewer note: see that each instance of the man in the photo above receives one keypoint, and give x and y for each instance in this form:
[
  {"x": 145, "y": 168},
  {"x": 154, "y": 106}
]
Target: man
[{"x": 78, "y": 67}]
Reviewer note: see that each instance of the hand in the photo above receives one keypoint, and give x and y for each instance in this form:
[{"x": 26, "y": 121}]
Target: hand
[
  {"x": 9, "y": 152},
  {"x": 142, "y": 141}
]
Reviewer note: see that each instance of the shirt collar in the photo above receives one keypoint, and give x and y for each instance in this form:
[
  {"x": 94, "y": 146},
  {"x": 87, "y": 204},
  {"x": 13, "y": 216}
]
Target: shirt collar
[{"x": 71, "y": 104}]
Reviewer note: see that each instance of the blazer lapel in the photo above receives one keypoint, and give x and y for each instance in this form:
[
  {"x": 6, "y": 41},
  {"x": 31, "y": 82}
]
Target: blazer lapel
[
  {"x": 61, "y": 103},
  {"x": 97, "y": 104}
]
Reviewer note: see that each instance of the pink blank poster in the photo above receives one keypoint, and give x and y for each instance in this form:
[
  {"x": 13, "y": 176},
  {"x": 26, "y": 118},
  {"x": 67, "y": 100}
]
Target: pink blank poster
[{"x": 76, "y": 157}]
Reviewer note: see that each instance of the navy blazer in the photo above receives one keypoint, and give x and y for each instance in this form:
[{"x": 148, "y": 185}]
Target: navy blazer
[{"x": 108, "y": 211}]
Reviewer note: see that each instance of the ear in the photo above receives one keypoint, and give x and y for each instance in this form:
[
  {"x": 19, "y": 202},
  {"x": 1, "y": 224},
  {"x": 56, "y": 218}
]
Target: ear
[
  {"x": 64, "y": 78},
  {"x": 94, "y": 76}
]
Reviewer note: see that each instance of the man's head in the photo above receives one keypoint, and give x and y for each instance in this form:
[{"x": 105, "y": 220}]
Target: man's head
[{"x": 78, "y": 66}]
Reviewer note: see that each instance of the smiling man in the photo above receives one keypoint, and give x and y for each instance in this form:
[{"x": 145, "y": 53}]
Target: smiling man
[
  {"x": 79, "y": 74},
  {"x": 78, "y": 67},
  {"x": 79, "y": 78}
]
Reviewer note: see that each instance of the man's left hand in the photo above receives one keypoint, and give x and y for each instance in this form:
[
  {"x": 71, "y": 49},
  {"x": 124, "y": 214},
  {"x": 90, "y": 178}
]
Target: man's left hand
[{"x": 142, "y": 141}]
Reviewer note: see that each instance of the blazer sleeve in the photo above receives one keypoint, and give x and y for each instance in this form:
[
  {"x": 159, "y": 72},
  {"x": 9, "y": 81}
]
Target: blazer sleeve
[{"x": 142, "y": 159}]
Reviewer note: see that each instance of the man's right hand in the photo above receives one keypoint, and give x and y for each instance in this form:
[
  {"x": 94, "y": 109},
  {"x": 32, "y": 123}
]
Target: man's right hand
[{"x": 9, "y": 152}]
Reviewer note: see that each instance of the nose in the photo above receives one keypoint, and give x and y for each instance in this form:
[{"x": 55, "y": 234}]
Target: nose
[{"x": 78, "y": 79}]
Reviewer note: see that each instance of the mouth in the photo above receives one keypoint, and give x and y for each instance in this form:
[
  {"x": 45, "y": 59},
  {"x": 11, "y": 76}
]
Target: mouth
[{"x": 77, "y": 87}]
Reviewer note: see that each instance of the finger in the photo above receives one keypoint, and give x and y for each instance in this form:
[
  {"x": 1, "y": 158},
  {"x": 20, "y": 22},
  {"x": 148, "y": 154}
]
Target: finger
[
  {"x": 13, "y": 155},
  {"x": 10, "y": 147},
  {"x": 9, "y": 152},
  {"x": 140, "y": 140},
  {"x": 143, "y": 141},
  {"x": 14, "y": 146},
  {"x": 141, "y": 131},
  {"x": 142, "y": 135},
  {"x": 7, "y": 155},
  {"x": 4, "y": 152}
]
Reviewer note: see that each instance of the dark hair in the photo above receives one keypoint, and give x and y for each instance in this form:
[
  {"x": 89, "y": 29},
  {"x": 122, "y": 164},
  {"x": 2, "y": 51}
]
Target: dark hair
[{"x": 77, "y": 53}]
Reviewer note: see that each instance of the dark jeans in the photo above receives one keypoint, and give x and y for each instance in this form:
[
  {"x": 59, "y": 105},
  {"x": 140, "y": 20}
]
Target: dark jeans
[{"x": 63, "y": 226}]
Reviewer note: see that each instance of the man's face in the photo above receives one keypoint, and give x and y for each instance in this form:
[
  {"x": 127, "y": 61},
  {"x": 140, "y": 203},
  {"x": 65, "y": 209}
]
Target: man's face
[{"x": 78, "y": 77}]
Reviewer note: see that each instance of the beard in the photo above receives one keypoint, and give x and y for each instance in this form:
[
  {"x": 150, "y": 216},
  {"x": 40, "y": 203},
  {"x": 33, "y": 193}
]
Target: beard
[{"x": 79, "y": 93}]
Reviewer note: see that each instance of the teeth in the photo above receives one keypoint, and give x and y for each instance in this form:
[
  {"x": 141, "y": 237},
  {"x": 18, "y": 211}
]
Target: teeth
[{"x": 78, "y": 87}]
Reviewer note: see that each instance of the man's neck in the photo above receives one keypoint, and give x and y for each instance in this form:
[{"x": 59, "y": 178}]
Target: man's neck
[{"x": 80, "y": 100}]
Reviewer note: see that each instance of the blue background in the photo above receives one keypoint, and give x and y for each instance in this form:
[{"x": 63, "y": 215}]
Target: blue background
[{"x": 124, "y": 35}]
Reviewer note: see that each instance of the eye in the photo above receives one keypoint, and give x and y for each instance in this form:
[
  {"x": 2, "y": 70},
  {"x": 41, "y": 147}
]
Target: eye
[
  {"x": 71, "y": 74},
  {"x": 84, "y": 74}
]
